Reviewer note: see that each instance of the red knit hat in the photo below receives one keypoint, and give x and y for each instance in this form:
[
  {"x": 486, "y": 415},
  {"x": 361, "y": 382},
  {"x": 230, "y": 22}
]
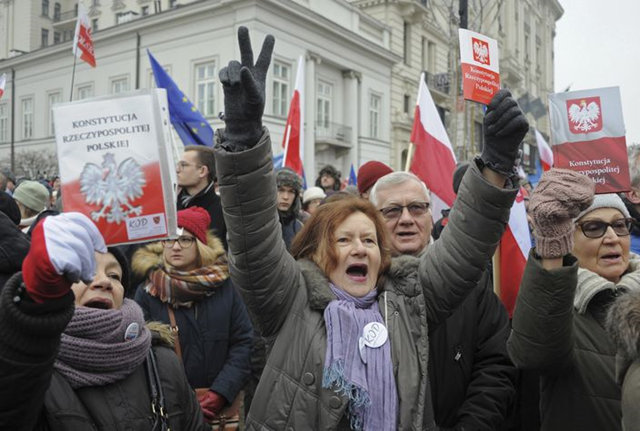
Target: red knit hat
[
  {"x": 196, "y": 220},
  {"x": 371, "y": 172}
]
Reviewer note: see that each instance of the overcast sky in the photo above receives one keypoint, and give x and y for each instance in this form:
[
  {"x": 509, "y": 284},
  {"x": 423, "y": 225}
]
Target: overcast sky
[{"x": 597, "y": 45}]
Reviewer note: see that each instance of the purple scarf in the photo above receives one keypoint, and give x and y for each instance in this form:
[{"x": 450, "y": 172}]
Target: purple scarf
[
  {"x": 371, "y": 387},
  {"x": 99, "y": 347}
]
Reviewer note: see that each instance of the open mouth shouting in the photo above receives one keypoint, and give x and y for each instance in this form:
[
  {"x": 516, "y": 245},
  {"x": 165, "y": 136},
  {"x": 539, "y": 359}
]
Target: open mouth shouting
[
  {"x": 358, "y": 272},
  {"x": 99, "y": 303}
]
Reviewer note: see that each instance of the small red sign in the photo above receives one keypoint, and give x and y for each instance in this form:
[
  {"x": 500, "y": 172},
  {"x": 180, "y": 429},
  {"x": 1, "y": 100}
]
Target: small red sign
[
  {"x": 480, "y": 51},
  {"x": 584, "y": 115}
]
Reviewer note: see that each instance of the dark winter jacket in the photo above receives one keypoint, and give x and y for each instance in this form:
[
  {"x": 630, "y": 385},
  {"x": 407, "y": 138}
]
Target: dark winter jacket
[
  {"x": 288, "y": 297},
  {"x": 570, "y": 349},
  {"x": 35, "y": 397},
  {"x": 210, "y": 201},
  {"x": 635, "y": 228},
  {"x": 215, "y": 334},
  {"x": 14, "y": 246},
  {"x": 290, "y": 226},
  {"x": 472, "y": 377},
  {"x": 624, "y": 326}
]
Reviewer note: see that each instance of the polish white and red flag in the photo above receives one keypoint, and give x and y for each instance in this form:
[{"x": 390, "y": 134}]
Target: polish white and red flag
[
  {"x": 588, "y": 136},
  {"x": 3, "y": 81},
  {"x": 480, "y": 68},
  {"x": 293, "y": 141},
  {"x": 82, "y": 40},
  {"x": 514, "y": 250},
  {"x": 434, "y": 160},
  {"x": 544, "y": 150}
]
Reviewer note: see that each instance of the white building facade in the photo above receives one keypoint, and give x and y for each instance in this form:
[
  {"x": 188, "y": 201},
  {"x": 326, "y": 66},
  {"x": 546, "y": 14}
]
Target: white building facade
[{"x": 347, "y": 59}]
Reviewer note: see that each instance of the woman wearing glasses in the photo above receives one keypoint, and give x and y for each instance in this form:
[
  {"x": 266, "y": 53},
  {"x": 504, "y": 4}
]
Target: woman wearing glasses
[
  {"x": 581, "y": 263},
  {"x": 188, "y": 286}
]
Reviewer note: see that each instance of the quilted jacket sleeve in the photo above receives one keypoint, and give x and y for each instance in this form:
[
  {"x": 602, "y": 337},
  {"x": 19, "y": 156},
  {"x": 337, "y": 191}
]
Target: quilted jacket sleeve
[
  {"x": 29, "y": 341},
  {"x": 542, "y": 327},
  {"x": 261, "y": 268},
  {"x": 453, "y": 265}
]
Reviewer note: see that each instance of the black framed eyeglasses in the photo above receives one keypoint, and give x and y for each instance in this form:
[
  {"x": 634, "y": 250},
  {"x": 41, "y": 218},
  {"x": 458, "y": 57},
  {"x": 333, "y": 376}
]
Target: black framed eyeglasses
[
  {"x": 416, "y": 209},
  {"x": 597, "y": 228},
  {"x": 183, "y": 242}
]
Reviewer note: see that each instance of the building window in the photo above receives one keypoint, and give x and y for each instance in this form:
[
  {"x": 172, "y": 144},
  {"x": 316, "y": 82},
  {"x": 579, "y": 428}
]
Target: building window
[
  {"x": 407, "y": 103},
  {"x": 173, "y": 3},
  {"x": 56, "y": 37},
  {"x": 27, "y": 118},
  {"x": 281, "y": 76},
  {"x": 53, "y": 99},
  {"x": 44, "y": 37},
  {"x": 119, "y": 85},
  {"x": 375, "y": 104},
  {"x": 84, "y": 91},
  {"x": 323, "y": 105},
  {"x": 4, "y": 122},
  {"x": 428, "y": 55},
  {"x": 406, "y": 34},
  {"x": 94, "y": 25},
  {"x": 145, "y": 10},
  {"x": 56, "y": 11},
  {"x": 157, "y": 5},
  {"x": 45, "y": 7},
  {"x": 206, "y": 88}
]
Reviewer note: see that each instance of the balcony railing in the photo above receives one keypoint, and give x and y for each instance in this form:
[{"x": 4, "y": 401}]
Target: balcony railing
[
  {"x": 65, "y": 16},
  {"x": 438, "y": 81},
  {"x": 333, "y": 132}
]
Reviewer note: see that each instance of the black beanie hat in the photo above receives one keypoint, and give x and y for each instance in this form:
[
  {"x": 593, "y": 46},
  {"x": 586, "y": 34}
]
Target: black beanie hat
[
  {"x": 9, "y": 206},
  {"x": 458, "y": 173},
  {"x": 124, "y": 264},
  {"x": 288, "y": 177}
]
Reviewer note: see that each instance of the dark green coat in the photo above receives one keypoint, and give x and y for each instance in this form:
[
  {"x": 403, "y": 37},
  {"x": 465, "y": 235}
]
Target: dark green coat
[
  {"x": 287, "y": 298},
  {"x": 572, "y": 351}
]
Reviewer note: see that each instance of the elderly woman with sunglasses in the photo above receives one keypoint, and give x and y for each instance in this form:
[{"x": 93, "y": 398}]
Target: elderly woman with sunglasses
[
  {"x": 188, "y": 286},
  {"x": 349, "y": 324},
  {"x": 580, "y": 264}
]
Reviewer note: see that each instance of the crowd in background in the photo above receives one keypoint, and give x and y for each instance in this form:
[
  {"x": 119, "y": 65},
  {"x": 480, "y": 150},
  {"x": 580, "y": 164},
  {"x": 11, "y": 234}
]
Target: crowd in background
[{"x": 331, "y": 307}]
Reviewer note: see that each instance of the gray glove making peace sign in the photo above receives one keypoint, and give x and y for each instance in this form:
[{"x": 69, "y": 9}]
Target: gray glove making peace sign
[{"x": 243, "y": 85}]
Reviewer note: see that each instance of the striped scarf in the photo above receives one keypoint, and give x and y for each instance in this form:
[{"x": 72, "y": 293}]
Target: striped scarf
[{"x": 183, "y": 288}]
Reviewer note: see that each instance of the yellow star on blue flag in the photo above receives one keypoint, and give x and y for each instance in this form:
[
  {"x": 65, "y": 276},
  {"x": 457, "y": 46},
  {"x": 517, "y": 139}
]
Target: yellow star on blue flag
[{"x": 190, "y": 124}]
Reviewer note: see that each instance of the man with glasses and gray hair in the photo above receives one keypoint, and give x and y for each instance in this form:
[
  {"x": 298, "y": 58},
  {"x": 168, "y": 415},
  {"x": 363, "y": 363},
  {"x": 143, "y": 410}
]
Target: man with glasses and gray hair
[{"x": 471, "y": 375}]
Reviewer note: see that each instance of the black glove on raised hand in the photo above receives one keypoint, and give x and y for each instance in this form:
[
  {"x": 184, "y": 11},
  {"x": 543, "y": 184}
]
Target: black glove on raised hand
[
  {"x": 504, "y": 128},
  {"x": 243, "y": 86}
]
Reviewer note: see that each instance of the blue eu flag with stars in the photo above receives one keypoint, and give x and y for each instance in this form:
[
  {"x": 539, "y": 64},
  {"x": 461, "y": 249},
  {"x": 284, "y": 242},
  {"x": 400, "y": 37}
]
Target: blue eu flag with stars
[{"x": 191, "y": 126}]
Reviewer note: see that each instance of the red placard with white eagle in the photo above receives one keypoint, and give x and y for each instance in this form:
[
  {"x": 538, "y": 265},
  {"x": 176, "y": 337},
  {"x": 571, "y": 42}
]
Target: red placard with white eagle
[
  {"x": 480, "y": 66},
  {"x": 115, "y": 163},
  {"x": 588, "y": 136}
]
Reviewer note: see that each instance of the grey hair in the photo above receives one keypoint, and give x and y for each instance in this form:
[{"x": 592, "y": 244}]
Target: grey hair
[
  {"x": 633, "y": 153},
  {"x": 394, "y": 179}
]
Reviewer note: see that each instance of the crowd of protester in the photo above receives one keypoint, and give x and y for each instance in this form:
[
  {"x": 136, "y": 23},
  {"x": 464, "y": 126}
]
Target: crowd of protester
[{"x": 331, "y": 308}]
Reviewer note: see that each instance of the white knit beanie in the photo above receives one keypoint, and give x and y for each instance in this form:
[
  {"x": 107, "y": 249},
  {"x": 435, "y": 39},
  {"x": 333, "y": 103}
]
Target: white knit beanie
[{"x": 609, "y": 200}]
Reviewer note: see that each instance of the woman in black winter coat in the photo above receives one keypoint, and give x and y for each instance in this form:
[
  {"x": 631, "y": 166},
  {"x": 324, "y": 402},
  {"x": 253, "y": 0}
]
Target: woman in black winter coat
[
  {"x": 189, "y": 278},
  {"x": 76, "y": 355}
]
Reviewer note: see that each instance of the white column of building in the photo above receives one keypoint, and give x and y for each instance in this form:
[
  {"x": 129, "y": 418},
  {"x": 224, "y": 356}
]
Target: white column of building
[
  {"x": 351, "y": 114},
  {"x": 310, "y": 118}
]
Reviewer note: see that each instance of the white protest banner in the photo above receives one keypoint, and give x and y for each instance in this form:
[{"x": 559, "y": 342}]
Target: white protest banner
[
  {"x": 115, "y": 159},
  {"x": 588, "y": 136},
  {"x": 480, "y": 71}
]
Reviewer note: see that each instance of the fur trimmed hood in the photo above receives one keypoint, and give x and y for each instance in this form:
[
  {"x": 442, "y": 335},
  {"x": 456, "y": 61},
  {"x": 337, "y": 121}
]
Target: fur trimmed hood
[
  {"x": 623, "y": 324},
  {"x": 150, "y": 256}
]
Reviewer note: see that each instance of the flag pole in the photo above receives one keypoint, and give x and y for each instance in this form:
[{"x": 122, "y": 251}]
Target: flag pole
[
  {"x": 286, "y": 145},
  {"x": 410, "y": 151},
  {"x": 73, "y": 75},
  {"x": 496, "y": 270}
]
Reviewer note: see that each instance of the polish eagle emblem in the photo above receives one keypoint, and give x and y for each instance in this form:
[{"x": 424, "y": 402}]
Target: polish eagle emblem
[
  {"x": 584, "y": 115},
  {"x": 113, "y": 187},
  {"x": 480, "y": 50}
]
